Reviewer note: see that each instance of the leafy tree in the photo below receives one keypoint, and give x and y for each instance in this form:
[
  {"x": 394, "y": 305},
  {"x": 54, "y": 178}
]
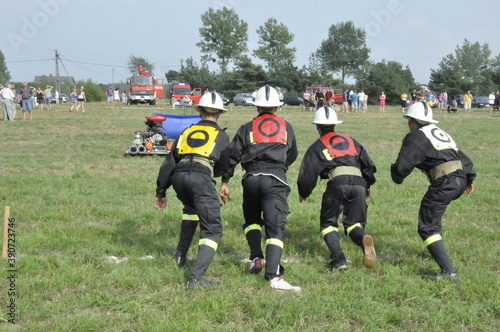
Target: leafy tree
[
  {"x": 344, "y": 50},
  {"x": 494, "y": 73},
  {"x": 224, "y": 37},
  {"x": 135, "y": 62},
  {"x": 466, "y": 69},
  {"x": 389, "y": 77},
  {"x": 197, "y": 77},
  {"x": 246, "y": 77},
  {"x": 173, "y": 76},
  {"x": 93, "y": 91},
  {"x": 273, "y": 42},
  {"x": 4, "y": 72}
]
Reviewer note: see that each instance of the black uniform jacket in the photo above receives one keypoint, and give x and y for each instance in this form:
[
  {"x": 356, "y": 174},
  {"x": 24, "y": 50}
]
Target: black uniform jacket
[
  {"x": 417, "y": 151},
  {"x": 268, "y": 158},
  {"x": 315, "y": 164},
  {"x": 219, "y": 158}
]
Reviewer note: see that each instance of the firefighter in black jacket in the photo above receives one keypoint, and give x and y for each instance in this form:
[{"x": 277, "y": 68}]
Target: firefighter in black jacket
[
  {"x": 199, "y": 154},
  {"x": 450, "y": 172},
  {"x": 350, "y": 173},
  {"x": 265, "y": 147}
]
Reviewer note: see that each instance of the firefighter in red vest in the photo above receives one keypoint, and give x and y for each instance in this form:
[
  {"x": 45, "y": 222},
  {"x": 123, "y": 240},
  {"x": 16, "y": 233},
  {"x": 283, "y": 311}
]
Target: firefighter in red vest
[
  {"x": 265, "y": 147},
  {"x": 350, "y": 173}
]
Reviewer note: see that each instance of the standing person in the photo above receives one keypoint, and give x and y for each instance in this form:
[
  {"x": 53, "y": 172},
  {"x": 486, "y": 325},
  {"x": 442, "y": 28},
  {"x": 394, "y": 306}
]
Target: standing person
[
  {"x": 8, "y": 103},
  {"x": 496, "y": 106},
  {"x": 350, "y": 171},
  {"x": 56, "y": 96},
  {"x": 361, "y": 98},
  {"x": 306, "y": 96},
  {"x": 25, "y": 96},
  {"x": 199, "y": 154},
  {"x": 81, "y": 100},
  {"x": 116, "y": 98},
  {"x": 74, "y": 100},
  {"x": 365, "y": 103},
  {"x": 319, "y": 97},
  {"x": 491, "y": 101},
  {"x": 345, "y": 101},
  {"x": 382, "y": 102},
  {"x": 329, "y": 97},
  {"x": 413, "y": 96},
  {"x": 354, "y": 102},
  {"x": 39, "y": 98},
  {"x": 47, "y": 96},
  {"x": 109, "y": 96},
  {"x": 445, "y": 98},
  {"x": 266, "y": 147},
  {"x": 467, "y": 102},
  {"x": 404, "y": 99},
  {"x": 440, "y": 106},
  {"x": 449, "y": 171}
]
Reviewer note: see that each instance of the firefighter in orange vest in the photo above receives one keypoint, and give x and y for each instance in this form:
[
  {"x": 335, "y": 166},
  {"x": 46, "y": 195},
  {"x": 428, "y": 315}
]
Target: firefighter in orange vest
[
  {"x": 199, "y": 154},
  {"x": 350, "y": 173},
  {"x": 265, "y": 147}
]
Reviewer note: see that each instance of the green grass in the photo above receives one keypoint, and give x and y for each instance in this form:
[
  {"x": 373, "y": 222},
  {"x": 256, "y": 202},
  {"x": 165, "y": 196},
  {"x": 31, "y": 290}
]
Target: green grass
[{"x": 78, "y": 200}]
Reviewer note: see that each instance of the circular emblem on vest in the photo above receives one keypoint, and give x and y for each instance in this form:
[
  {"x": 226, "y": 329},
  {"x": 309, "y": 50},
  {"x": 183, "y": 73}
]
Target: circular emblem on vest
[
  {"x": 440, "y": 135},
  {"x": 269, "y": 127},
  {"x": 339, "y": 143},
  {"x": 197, "y": 138}
]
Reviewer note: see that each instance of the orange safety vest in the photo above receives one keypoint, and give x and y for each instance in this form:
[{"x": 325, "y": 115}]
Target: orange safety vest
[
  {"x": 338, "y": 145},
  {"x": 268, "y": 128}
]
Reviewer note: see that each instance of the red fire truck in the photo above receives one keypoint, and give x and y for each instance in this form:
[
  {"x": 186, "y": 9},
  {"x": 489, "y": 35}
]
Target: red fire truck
[
  {"x": 183, "y": 90},
  {"x": 337, "y": 93},
  {"x": 145, "y": 88}
]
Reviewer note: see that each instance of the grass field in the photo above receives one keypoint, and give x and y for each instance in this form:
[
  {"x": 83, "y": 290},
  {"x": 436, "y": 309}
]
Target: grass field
[{"x": 93, "y": 255}]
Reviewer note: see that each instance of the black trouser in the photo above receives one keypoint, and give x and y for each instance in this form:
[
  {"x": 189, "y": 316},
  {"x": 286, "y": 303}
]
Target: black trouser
[
  {"x": 351, "y": 201},
  {"x": 432, "y": 208},
  {"x": 265, "y": 204},
  {"x": 197, "y": 192}
]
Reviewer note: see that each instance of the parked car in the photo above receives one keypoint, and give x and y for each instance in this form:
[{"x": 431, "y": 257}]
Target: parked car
[
  {"x": 63, "y": 98},
  {"x": 480, "y": 101},
  {"x": 293, "y": 101},
  {"x": 243, "y": 99},
  {"x": 225, "y": 101},
  {"x": 460, "y": 100}
]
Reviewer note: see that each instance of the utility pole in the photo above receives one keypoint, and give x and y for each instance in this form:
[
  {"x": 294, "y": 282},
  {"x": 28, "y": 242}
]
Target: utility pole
[
  {"x": 58, "y": 79},
  {"x": 113, "y": 77}
]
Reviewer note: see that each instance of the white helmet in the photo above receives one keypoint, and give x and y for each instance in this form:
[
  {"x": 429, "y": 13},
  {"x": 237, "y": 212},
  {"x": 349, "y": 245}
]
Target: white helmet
[
  {"x": 421, "y": 112},
  {"x": 212, "y": 103},
  {"x": 325, "y": 116},
  {"x": 267, "y": 97}
]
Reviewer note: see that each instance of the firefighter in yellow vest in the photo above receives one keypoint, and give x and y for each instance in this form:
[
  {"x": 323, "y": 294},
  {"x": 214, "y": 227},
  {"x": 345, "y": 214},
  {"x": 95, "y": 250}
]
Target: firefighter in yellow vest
[
  {"x": 199, "y": 154},
  {"x": 350, "y": 173},
  {"x": 449, "y": 171},
  {"x": 265, "y": 147}
]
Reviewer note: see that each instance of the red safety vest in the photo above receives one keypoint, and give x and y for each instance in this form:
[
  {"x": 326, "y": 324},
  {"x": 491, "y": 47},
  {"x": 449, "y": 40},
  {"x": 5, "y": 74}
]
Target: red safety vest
[
  {"x": 338, "y": 145},
  {"x": 268, "y": 128}
]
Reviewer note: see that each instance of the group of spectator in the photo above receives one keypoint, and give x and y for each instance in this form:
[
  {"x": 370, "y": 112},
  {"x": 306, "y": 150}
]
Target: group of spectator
[
  {"x": 353, "y": 101},
  {"x": 494, "y": 101}
]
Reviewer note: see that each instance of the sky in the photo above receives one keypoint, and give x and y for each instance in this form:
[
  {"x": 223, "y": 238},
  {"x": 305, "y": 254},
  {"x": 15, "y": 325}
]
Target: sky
[{"x": 96, "y": 38}]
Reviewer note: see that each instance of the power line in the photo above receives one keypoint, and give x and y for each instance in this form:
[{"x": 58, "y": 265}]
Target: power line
[{"x": 30, "y": 60}]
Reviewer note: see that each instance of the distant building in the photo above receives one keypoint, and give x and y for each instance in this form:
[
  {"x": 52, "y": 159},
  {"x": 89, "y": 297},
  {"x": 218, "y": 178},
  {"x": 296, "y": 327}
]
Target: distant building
[{"x": 69, "y": 80}]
